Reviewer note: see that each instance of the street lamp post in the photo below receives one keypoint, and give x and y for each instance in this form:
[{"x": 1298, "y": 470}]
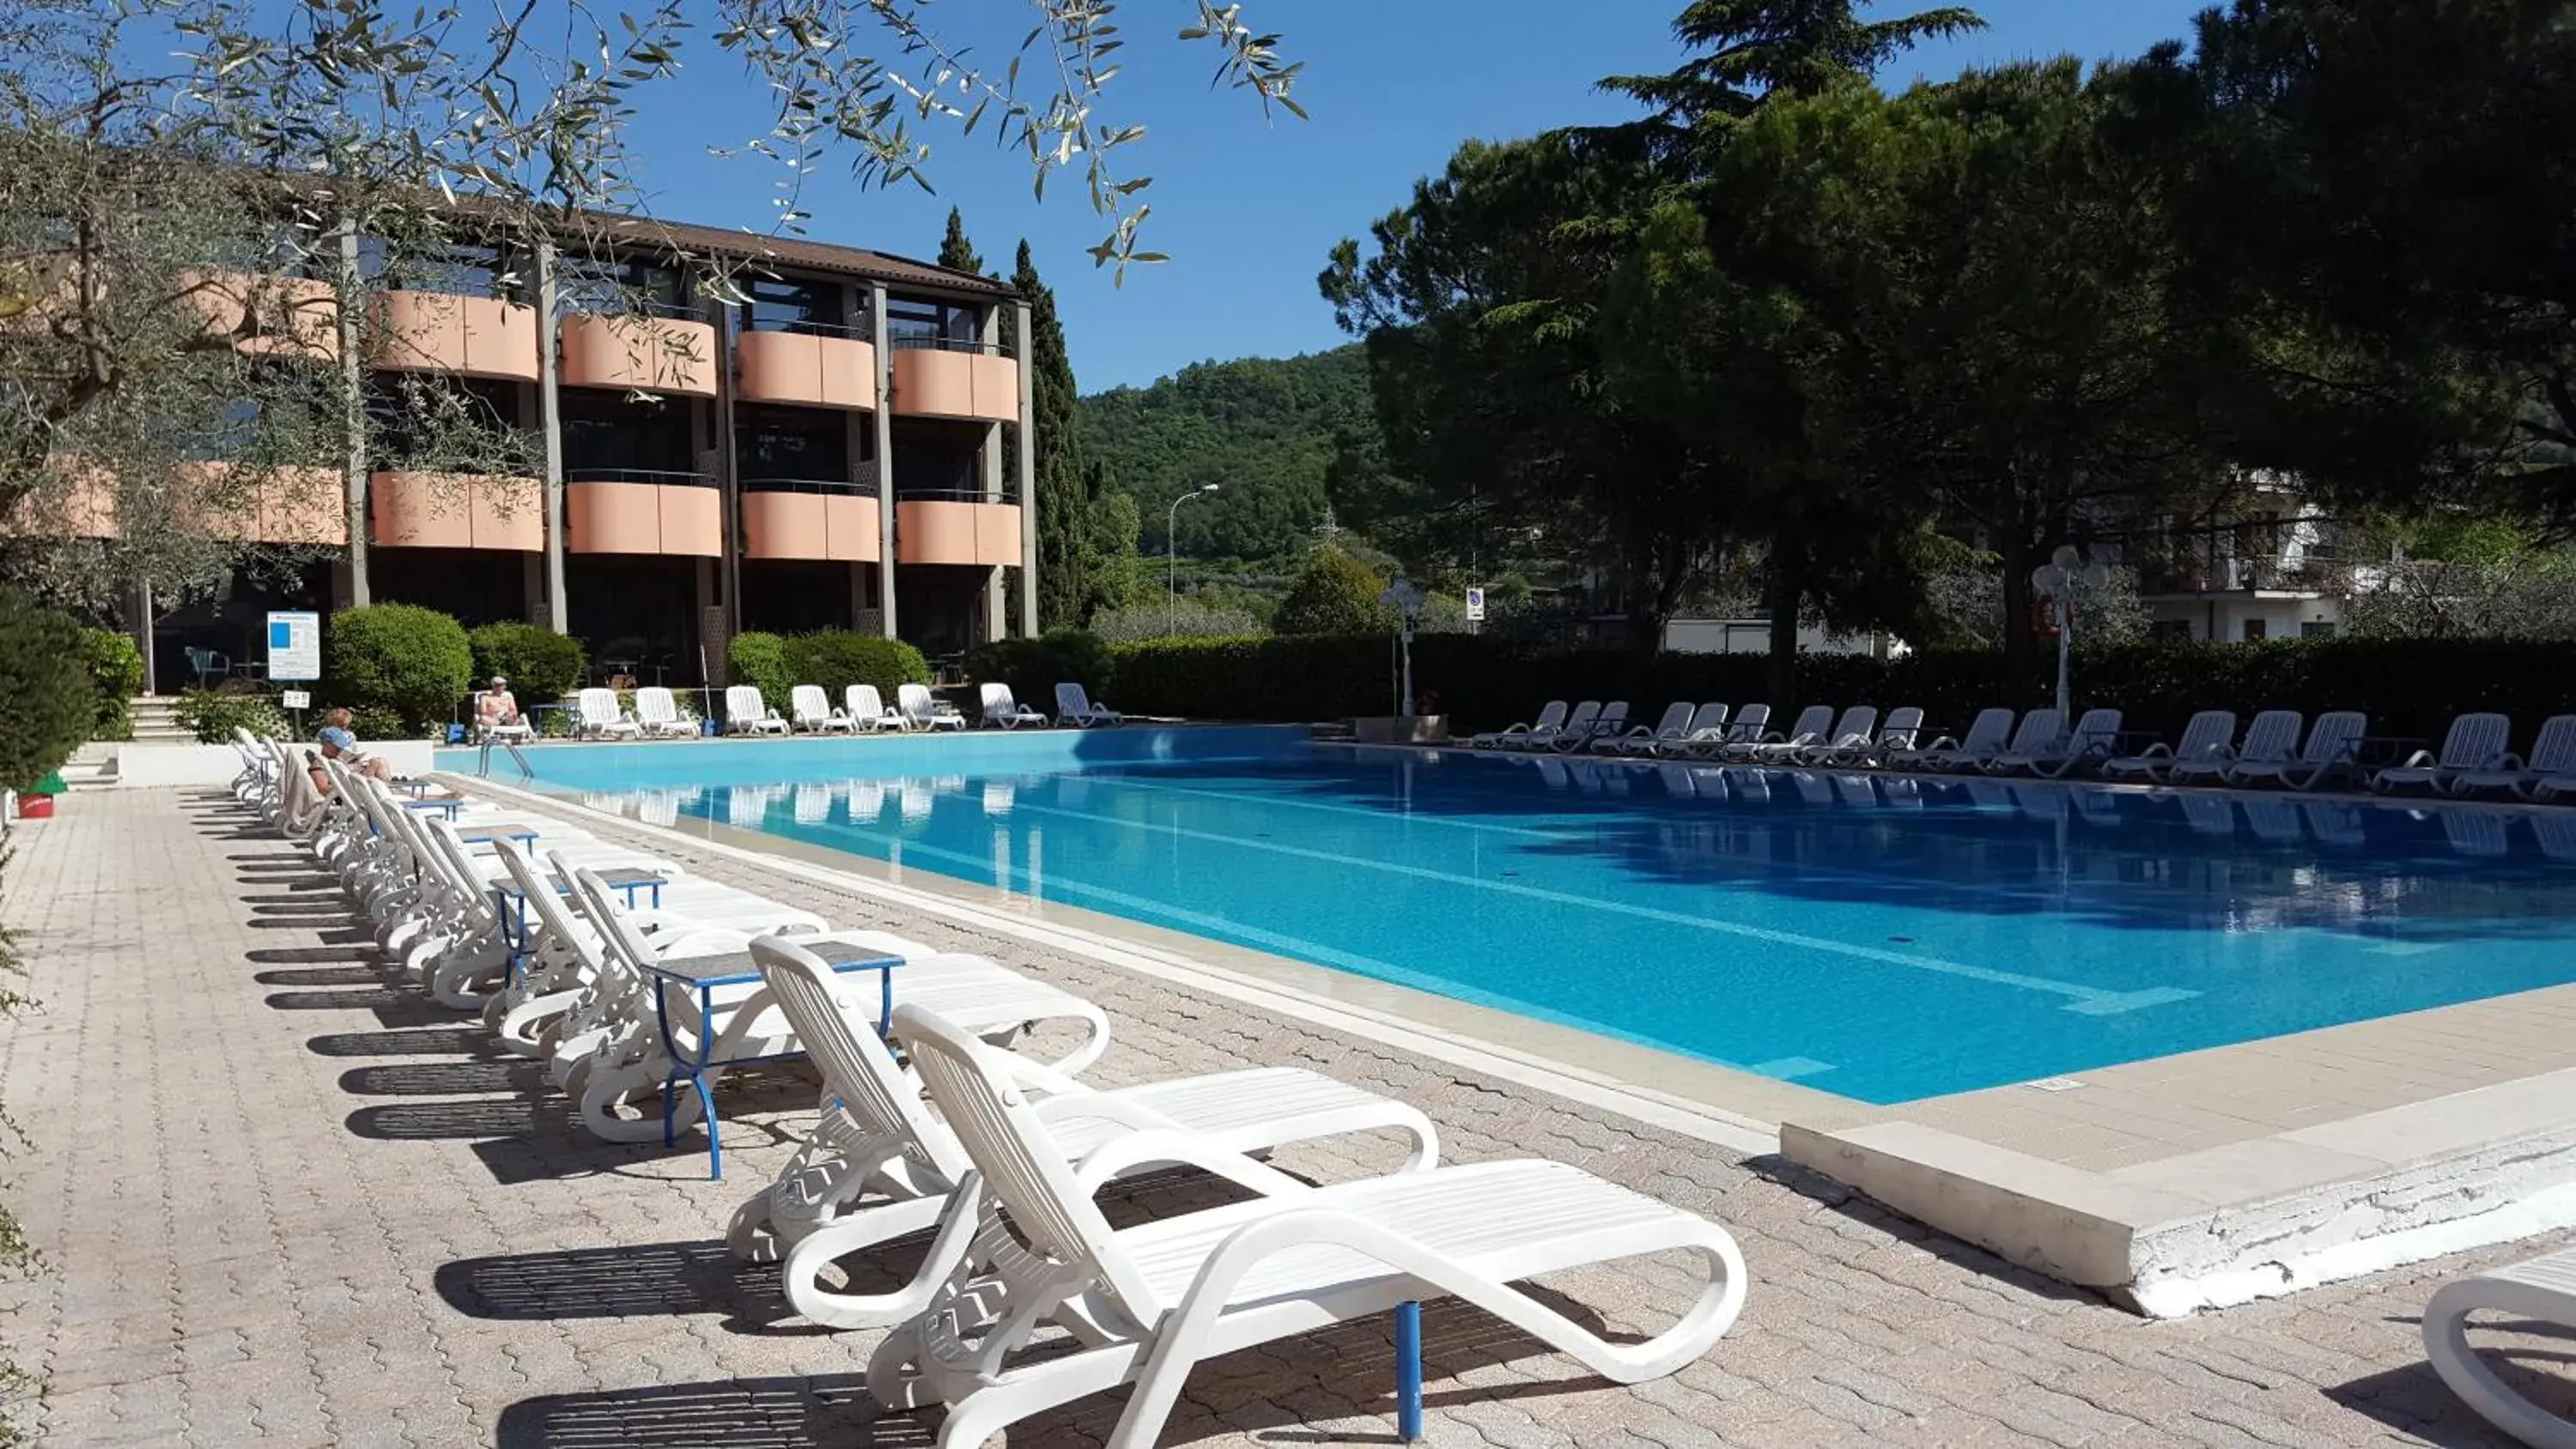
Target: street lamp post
[
  {"x": 1172, "y": 559},
  {"x": 1406, "y": 598},
  {"x": 2061, "y": 580}
]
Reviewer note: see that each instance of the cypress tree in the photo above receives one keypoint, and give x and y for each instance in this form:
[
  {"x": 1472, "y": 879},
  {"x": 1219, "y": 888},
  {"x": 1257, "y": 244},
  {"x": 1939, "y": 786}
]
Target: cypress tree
[
  {"x": 956, "y": 253},
  {"x": 1070, "y": 585}
]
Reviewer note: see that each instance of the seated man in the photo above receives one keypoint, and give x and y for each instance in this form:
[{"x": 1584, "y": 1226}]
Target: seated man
[
  {"x": 339, "y": 742},
  {"x": 496, "y": 712}
]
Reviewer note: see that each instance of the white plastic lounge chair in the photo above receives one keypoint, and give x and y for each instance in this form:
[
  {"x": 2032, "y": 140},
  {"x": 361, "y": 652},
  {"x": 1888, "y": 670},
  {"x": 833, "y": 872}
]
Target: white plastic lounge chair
[
  {"x": 1901, "y": 729},
  {"x": 923, "y": 710},
  {"x": 519, "y": 730},
  {"x": 867, "y": 709},
  {"x": 746, "y": 713},
  {"x": 2553, "y": 753},
  {"x": 1147, "y": 1303},
  {"x": 810, "y": 710},
  {"x": 1578, "y": 725},
  {"x": 1751, "y": 723},
  {"x": 2541, "y": 1290},
  {"x": 1001, "y": 709},
  {"x": 1673, "y": 728},
  {"x": 658, "y": 714},
  {"x": 2332, "y": 741},
  {"x": 1856, "y": 730},
  {"x": 1707, "y": 729},
  {"x": 1810, "y": 729},
  {"x": 2095, "y": 735},
  {"x": 2208, "y": 736},
  {"x": 1551, "y": 718},
  {"x": 878, "y": 1166},
  {"x": 2271, "y": 742},
  {"x": 597, "y": 717},
  {"x": 2474, "y": 742},
  {"x": 1985, "y": 738},
  {"x": 1605, "y": 725},
  {"x": 1075, "y": 706},
  {"x": 2042, "y": 736}
]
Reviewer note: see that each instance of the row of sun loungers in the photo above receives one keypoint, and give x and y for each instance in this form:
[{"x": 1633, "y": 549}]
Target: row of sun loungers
[
  {"x": 2279, "y": 748},
  {"x": 929, "y": 1118},
  {"x": 656, "y": 715}
]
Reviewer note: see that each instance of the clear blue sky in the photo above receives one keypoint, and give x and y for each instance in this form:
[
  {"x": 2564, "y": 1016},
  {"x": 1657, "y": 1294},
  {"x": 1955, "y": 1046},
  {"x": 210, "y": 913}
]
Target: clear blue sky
[{"x": 1248, "y": 209}]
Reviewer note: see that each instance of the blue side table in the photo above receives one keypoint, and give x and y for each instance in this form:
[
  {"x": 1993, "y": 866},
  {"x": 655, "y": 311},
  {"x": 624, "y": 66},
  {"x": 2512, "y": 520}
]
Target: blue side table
[
  {"x": 511, "y": 904},
  {"x": 702, "y": 975}
]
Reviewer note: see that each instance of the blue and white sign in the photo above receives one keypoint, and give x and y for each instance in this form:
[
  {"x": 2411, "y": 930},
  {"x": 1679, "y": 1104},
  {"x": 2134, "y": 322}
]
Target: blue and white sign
[
  {"x": 1475, "y": 606},
  {"x": 294, "y": 645}
]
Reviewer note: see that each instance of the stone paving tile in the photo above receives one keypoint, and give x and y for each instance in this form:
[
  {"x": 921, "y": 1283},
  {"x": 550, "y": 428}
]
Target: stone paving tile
[{"x": 288, "y": 1201}]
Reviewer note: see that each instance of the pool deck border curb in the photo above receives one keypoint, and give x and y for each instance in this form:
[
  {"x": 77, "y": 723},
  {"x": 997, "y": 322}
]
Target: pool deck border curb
[
  {"x": 2253, "y": 1219},
  {"x": 1568, "y": 1080}
]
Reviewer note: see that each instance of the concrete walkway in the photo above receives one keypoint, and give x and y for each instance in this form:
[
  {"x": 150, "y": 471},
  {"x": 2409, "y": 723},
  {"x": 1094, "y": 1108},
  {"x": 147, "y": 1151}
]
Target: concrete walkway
[{"x": 288, "y": 1202}]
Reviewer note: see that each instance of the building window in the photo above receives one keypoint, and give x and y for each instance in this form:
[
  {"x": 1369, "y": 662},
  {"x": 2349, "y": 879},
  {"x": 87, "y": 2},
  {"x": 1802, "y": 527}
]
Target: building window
[
  {"x": 588, "y": 284},
  {"x": 791, "y": 443},
  {"x": 782, "y": 306},
  {"x": 914, "y": 322},
  {"x": 605, "y": 432},
  {"x": 425, "y": 420},
  {"x": 2255, "y": 629},
  {"x": 931, "y": 461},
  {"x": 2316, "y": 629},
  {"x": 2170, "y": 631}
]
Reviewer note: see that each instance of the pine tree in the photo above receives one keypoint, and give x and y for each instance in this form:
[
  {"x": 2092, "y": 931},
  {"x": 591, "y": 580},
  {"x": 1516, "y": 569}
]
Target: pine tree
[
  {"x": 1070, "y": 581},
  {"x": 956, "y": 253}
]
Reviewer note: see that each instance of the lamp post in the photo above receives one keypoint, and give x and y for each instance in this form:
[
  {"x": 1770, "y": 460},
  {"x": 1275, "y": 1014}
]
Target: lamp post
[
  {"x": 2061, "y": 580},
  {"x": 1405, "y": 597},
  {"x": 1172, "y": 559}
]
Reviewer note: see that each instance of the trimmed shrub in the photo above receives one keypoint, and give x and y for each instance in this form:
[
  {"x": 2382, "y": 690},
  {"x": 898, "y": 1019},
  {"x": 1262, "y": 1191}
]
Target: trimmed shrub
[
  {"x": 839, "y": 658},
  {"x": 115, "y": 672},
  {"x": 1034, "y": 667},
  {"x": 1334, "y": 594},
  {"x": 213, "y": 714},
  {"x": 761, "y": 659},
  {"x": 374, "y": 722},
  {"x": 541, "y": 665},
  {"x": 47, "y": 704},
  {"x": 411, "y": 662}
]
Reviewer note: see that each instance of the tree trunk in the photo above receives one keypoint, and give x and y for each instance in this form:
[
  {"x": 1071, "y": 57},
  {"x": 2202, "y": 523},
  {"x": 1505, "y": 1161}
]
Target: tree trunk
[
  {"x": 1780, "y": 585},
  {"x": 2021, "y": 639}
]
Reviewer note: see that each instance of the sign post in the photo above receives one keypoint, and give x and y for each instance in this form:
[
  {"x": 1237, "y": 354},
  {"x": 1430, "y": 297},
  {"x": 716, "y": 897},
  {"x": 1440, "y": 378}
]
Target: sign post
[{"x": 294, "y": 656}]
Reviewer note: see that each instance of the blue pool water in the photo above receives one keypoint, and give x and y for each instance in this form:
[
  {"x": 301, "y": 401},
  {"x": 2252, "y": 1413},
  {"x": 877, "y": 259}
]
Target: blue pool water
[{"x": 1880, "y": 939}]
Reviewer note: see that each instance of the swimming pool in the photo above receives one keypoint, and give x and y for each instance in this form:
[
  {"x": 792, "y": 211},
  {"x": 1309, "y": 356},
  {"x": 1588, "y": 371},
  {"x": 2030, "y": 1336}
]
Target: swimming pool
[{"x": 1879, "y": 938}]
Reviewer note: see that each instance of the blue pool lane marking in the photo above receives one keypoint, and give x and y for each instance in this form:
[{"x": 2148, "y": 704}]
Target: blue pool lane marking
[{"x": 2089, "y": 1000}]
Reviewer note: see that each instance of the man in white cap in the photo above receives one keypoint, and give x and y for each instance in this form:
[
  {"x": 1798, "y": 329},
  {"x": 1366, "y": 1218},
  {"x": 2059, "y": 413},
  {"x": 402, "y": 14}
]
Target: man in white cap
[{"x": 496, "y": 710}]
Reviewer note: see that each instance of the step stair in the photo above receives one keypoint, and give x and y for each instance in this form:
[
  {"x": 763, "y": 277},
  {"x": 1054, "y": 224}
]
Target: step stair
[
  {"x": 91, "y": 767},
  {"x": 156, "y": 721}
]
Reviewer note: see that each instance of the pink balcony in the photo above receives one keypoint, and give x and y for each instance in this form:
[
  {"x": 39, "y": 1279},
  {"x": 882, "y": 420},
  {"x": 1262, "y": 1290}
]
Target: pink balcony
[
  {"x": 815, "y": 371},
  {"x": 649, "y": 354},
  {"x": 841, "y": 527},
  {"x": 444, "y": 332},
  {"x": 647, "y": 518},
  {"x": 957, "y": 532},
  {"x": 285, "y": 316},
  {"x": 308, "y": 506},
  {"x": 455, "y": 510},
  {"x": 933, "y": 382}
]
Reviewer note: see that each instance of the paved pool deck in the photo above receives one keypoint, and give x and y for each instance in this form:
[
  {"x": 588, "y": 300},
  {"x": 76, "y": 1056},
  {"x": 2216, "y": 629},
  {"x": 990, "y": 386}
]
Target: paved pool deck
[{"x": 288, "y": 1200}]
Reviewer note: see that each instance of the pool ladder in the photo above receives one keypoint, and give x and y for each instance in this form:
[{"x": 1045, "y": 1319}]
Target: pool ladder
[{"x": 483, "y": 764}]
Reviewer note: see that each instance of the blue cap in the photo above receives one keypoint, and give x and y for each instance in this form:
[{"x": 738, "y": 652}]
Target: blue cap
[{"x": 338, "y": 738}]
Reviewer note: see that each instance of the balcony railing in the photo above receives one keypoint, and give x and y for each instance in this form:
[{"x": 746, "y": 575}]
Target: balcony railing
[
  {"x": 924, "y": 341},
  {"x": 640, "y": 475},
  {"x": 863, "y": 479},
  {"x": 860, "y": 331}
]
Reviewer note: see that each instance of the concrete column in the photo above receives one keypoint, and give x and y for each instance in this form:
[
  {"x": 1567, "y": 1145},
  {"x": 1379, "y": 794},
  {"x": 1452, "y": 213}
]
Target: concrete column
[
  {"x": 550, "y": 421},
  {"x": 1028, "y": 475},
  {"x": 353, "y": 399},
  {"x": 996, "y": 597},
  {"x": 885, "y": 460},
  {"x": 853, "y": 299},
  {"x": 728, "y": 474}
]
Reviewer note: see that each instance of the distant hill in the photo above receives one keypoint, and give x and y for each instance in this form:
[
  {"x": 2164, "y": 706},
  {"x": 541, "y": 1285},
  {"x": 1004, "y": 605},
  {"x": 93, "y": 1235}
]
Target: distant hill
[{"x": 1263, "y": 430}]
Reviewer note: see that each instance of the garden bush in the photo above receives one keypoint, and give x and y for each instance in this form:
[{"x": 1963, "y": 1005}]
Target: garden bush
[
  {"x": 541, "y": 665},
  {"x": 116, "y": 674},
  {"x": 413, "y": 663},
  {"x": 213, "y": 715},
  {"x": 839, "y": 658},
  {"x": 1034, "y": 667},
  {"x": 1334, "y": 594},
  {"x": 47, "y": 704},
  {"x": 761, "y": 659}
]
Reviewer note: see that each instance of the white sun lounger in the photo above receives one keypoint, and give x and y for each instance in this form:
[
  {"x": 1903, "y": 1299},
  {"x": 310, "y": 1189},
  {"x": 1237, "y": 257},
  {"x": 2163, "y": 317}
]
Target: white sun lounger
[
  {"x": 2332, "y": 741},
  {"x": 1578, "y": 725},
  {"x": 1707, "y": 728},
  {"x": 1673, "y": 728},
  {"x": 923, "y": 710},
  {"x": 1605, "y": 725},
  {"x": 1809, "y": 729},
  {"x": 746, "y": 713},
  {"x": 1856, "y": 730},
  {"x": 1986, "y": 737},
  {"x": 867, "y": 709},
  {"x": 658, "y": 714},
  {"x": 2541, "y": 1290},
  {"x": 1902, "y": 728},
  {"x": 2474, "y": 742},
  {"x": 810, "y": 710},
  {"x": 2271, "y": 741},
  {"x": 878, "y": 1166},
  {"x": 2553, "y": 754},
  {"x": 1551, "y": 718},
  {"x": 1148, "y": 1302},
  {"x": 2209, "y": 737},
  {"x": 596, "y": 716},
  {"x": 1075, "y": 706},
  {"x": 1751, "y": 723},
  {"x": 1001, "y": 709}
]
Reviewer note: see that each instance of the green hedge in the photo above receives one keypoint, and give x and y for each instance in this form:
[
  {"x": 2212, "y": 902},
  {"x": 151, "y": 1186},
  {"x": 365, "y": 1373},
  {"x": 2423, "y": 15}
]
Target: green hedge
[
  {"x": 413, "y": 663},
  {"x": 2409, "y": 686},
  {"x": 47, "y": 703},
  {"x": 839, "y": 658},
  {"x": 116, "y": 674},
  {"x": 1034, "y": 667},
  {"x": 541, "y": 665},
  {"x": 215, "y": 713},
  {"x": 761, "y": 659}
]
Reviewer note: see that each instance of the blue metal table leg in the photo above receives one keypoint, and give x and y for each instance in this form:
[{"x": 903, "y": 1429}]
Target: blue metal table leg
[{"x": 1408, "y": 1372}]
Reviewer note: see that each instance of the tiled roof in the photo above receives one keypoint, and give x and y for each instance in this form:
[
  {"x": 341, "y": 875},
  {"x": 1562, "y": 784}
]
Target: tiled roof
[{"x": 800, "y": 252}]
